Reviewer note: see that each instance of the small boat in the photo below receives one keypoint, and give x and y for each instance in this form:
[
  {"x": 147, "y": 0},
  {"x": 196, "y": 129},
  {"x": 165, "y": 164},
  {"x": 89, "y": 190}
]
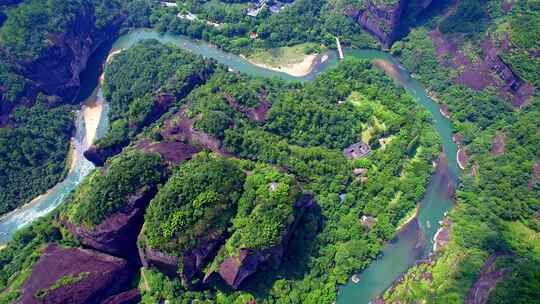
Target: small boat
[
  {"x": 324, "y": 58},
  {"x": 355, "y": 279},
  {"x": 428, "y": 224}
]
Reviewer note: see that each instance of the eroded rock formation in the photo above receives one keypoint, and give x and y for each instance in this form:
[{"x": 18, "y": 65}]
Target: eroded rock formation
[
  {"x": 74, "y": 275},
  {"x": 235, "y": 269},
  {"x": 56, "y": 71},
  {"x": 117, "y": 234},
  {"x": 383, "y": 20},
  {"x": 99, "y": 154}
]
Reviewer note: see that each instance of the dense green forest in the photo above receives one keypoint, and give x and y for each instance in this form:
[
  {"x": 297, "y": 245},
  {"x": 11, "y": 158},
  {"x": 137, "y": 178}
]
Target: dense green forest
[
  {"x": 33, "y": 152},
  {"x": 331, "y": 240},
  {"x": 373, "y": 107},
  {"x": 103, "y": 193},
  {"x": 200, "y": 196}
]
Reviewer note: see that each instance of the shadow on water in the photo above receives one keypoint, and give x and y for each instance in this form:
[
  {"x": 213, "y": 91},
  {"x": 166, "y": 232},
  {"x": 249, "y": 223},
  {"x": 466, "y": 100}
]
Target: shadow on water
[{"x": 90, "y": 76}]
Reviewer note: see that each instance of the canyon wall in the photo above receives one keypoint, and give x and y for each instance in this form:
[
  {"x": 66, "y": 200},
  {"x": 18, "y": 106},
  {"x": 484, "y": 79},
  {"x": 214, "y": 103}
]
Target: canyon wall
[{"x": 383, "y": 20}]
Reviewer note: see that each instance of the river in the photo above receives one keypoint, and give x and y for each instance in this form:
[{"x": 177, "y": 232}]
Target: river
[{"x": 412, "y": 243}]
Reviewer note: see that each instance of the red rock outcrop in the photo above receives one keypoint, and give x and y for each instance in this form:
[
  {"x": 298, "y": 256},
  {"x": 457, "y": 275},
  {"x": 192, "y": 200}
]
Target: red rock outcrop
[
  {"x": 127, "y": 297},
  {"x": 235, "y": 269},
  {"x": 99, "y": 155},
  {"x": 193, "y": 260},
  {"x": 258, "y": 113},
  {"x": 498, "y": 144},
  {"x": 488, "y": 71},
  {"x": 117, "y": 234},
  {"x": 535, "y": 175},
  {"x": 485, "y": 284},
  {"x": 56, "y": 71},
  {"x": 174, "y": 152},
  {"x": 384, "y": 20},
  {"x": 95, "y": 277},
  {"x": 180, "y": 129}
]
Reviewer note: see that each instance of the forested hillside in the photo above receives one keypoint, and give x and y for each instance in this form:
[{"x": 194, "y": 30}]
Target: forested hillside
[{"x": 246, "y": 118}]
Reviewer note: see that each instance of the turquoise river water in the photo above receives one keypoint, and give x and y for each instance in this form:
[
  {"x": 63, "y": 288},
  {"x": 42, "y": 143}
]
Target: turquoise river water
[{"x": 412, "y": 243}]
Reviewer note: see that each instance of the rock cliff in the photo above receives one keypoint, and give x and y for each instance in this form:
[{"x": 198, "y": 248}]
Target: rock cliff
[
  {"x": 383, "y": 20},
  {"x": 74, "y": 275},
  {"x": 99, "y": 153},
  {"x": 193, "y": 261},
  {"x": 56, "y": 71},
  {"x": 235, "y": 269},
  {"x": 117, "y": 234}
]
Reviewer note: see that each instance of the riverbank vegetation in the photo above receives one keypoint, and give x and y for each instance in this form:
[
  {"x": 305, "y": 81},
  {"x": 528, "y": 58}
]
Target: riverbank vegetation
[
  {"x": 298, "y": 144},
  {"x": 315, "y": 21},
  {"x": 497, "y": 212},
  {"x": 103, "y": 193}
]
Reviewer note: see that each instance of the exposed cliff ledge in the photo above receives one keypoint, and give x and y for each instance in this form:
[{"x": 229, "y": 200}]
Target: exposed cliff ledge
[
  {"x": 193, "y": 261},
  {"x": 117, "y": 234},
  {"x": 383, "y": 20},
  {"x": 234, "y": 270},
  {"x": 98, "y": 154},
  {"x": 74, "y": 275}
]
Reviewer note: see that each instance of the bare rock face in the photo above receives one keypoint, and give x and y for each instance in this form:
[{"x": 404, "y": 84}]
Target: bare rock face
[
  {"x": 132, "y": 296},
  {"x": 485, "y": 284},
  {"x": 498, "y": 144},
  {"x": 193, "y": 261},
  {"x": 258, "y": 113},
  {"x": 57, "y": 70},
  {"x": 173, "y": 152},
  {"x": 117, "y": 234},
  {"x": 383, "y": 20},
  {"x": 165, "y": 263},
  {"x": 74, "y": 275},
  {"x": 236, "y": 269}
]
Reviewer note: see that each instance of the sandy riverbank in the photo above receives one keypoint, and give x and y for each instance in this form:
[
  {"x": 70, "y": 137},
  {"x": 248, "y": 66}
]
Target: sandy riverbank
[
  {"x": 462, "y": 159},
  {"x": 389, "y": 68},
  {"x": 108, "y": 61},
  {"x": 299, "y": 69},
  {"x": 92, "y": 112},
  {"x": 410, "y": 217}
]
